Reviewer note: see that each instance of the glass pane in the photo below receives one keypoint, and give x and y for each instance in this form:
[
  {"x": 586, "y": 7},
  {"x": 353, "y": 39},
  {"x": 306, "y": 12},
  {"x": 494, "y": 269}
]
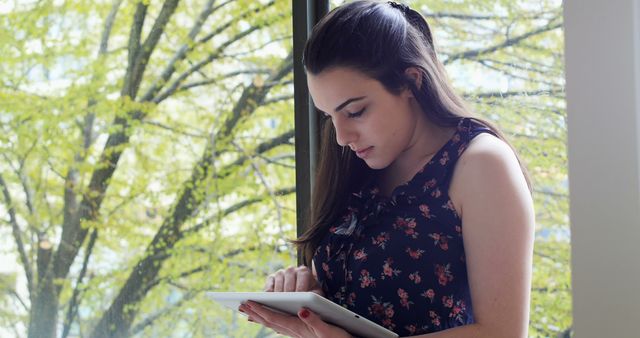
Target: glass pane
[
  {"x": 506, "y": 58},
  {"x": 147, "y": 157}
]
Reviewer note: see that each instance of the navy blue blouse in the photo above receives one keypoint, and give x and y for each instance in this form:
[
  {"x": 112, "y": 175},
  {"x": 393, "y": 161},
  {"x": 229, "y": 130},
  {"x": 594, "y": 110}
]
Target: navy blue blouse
[{"x": 399, "y": 261}]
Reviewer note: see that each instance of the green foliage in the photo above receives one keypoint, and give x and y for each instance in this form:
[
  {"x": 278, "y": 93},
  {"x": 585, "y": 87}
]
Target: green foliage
[{"x": 189, "y": 171}]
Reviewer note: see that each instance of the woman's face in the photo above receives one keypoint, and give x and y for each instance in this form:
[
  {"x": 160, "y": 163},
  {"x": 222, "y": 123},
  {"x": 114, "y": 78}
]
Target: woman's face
[{"x": 376, "y": 124}]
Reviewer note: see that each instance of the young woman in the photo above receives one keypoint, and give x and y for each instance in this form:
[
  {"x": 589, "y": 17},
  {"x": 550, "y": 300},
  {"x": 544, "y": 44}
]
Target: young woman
[{"x": 422, "y": 217}]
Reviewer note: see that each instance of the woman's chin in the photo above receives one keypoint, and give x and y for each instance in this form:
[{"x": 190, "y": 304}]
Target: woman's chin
[{"x": 375, "y": 165}]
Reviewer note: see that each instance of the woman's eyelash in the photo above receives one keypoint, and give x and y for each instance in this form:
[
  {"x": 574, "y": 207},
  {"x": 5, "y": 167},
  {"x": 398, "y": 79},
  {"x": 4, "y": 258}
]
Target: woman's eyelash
[{"x": 356, "y": 114}]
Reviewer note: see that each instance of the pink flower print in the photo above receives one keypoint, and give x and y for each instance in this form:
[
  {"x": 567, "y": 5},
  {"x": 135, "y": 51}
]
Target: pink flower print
[
  {"x": 456, "y": 138},
  {"x": 387, "y": 270},
  {"x": 415, "y": 277},
  {"x": 325, "y": 268},
  {"x": 408, "y": 225},
  {"x": 411, "y": 328},
  {"x": 443, "y": 273},
  {"x": 458, "y": 229},
  {"x": 436, "y": 193},
  {"x": 441, "y": 240},
  {"x": 333, "y": 229},
  {"x": 435, "y": 319},
  {"x": 457, "y": 310},
  {"x": 376, "y": 309},
  {"x": 381, "y": 240},
  {"x": 404, "y": 298},
  {"x": 351, "y": 299},
  {"x": 429, "y": 184},
  {"x": 449, "y": 206},
  {"x": 429, "y": 294},
  {"x": 426, "y": 212},
  {"x": 415, "y": 254},
  {"x": 388, "y": 311},
  {"x": 366, "y": 280},
  {"x": 360, "y": 255},
  {"x": 383, "y": 311},
  {"x": 349, "y": 275},
  {"x": 445, "y": 158},
  {"x": 388, "y": 323},
  {"x": 447, "y": 301}
]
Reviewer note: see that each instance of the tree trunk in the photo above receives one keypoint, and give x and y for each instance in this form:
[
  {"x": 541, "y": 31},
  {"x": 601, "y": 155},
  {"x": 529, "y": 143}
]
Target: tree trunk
[{"x": 44, "y": 311}]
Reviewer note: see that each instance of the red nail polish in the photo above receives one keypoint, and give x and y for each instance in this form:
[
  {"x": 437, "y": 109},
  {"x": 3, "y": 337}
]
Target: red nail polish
[{"x": 304, "y": 313}]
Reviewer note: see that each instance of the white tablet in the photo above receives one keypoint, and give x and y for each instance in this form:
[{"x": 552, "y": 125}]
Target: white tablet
[{"x": 292, "y": 302}]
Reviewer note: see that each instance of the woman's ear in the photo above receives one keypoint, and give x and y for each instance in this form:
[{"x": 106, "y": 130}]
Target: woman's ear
[{"x": 414, "y": 75}]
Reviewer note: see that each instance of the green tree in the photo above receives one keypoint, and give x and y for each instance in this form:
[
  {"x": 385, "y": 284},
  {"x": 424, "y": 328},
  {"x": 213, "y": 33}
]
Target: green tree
[
  {"x": 147, "y": 154},
  {"x": 134, "y": 133}
]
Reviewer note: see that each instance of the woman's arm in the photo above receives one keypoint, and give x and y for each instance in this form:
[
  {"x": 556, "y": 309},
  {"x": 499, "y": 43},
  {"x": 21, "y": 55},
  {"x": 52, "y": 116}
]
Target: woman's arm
[{"x": 491, "y": 195}]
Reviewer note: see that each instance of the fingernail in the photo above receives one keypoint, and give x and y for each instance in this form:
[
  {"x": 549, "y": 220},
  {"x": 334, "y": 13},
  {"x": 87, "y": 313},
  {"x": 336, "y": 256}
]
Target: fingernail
[
  {"x": 241, "y": 310},
  {"x": 304, "y": 313},
  {"x": 251, "y": 320}
]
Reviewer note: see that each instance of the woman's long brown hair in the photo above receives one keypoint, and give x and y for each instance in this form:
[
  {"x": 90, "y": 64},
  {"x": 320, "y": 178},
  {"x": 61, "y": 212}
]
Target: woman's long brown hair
[{"x": 381, "y": 40}]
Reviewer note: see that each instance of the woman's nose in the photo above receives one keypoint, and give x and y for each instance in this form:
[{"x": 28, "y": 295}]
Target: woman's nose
[{"x": 345, "y": 135}]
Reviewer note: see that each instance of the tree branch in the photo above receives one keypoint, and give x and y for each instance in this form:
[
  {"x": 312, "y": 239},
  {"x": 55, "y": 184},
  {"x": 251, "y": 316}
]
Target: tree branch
[
  {"x": 236, "y": 207},
  {"x": 247, "y": 102},
  {"x": 175, "y": 130},
  {"x": 212, "y": 56},
  {"x": 108, "y": 27},
  {"x": 74, "y": 303},
  {"x": 163, "y": 312},
  {"x": 486, "y": 64},
  {"x": 17, "y": 235},
  {"x": 181, "y": 54},
  {"x": 224, "y": 76},
  {"x": 149, "y": 45},
  {"x": 508, "y": 42},
  {"x": 266, "y": 185},
  {"x": 502, "y": 95},
  {"x": 134, "y": 48}
]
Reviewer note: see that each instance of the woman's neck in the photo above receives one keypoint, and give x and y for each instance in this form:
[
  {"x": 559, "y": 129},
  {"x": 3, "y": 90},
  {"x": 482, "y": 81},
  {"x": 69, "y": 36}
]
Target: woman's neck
[{"x": 426, "y": 141}]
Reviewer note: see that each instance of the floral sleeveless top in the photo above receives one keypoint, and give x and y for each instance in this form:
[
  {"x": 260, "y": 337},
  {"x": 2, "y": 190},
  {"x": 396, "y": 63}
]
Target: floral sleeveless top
[{"x": 400, "y": 261}]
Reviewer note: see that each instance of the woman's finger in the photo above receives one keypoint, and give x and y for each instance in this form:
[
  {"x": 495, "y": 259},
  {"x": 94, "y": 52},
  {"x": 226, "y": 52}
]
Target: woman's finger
[
  {"x": 278, "y": 283},
  {"x": 269, "y": 283},
  {"x": 282, "y": 323},
  {"x": 317, "y": 326},
  {"x": 304, "y": 279},
  {"x": 290, "y": 276}
]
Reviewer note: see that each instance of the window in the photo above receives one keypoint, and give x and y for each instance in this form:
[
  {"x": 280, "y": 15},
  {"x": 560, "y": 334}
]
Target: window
[
  {"x": 148, "y": 154},
  {"x": 147, "y": 157}
]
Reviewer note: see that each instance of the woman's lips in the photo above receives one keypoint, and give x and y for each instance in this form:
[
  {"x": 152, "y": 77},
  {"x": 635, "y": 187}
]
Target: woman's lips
[{"x": 364, "y": 152}]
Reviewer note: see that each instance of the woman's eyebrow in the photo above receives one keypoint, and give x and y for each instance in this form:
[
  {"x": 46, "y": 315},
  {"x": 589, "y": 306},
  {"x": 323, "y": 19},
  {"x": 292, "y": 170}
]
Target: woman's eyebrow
[{"x": 345, "y": 103}]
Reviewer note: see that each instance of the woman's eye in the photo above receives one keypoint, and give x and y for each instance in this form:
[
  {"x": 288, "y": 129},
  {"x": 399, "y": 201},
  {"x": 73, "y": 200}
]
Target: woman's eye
[{"x": 356, "y": 114}]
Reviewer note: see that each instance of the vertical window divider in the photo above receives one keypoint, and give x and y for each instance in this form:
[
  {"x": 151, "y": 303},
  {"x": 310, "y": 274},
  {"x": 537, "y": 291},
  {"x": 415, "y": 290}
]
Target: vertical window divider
[{"x": 306, "y": 13}]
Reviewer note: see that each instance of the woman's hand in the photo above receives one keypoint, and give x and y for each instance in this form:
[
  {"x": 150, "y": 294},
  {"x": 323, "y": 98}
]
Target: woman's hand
[
  {"x": 293, "y": 279},
  {"x": 306, "y": 325}
]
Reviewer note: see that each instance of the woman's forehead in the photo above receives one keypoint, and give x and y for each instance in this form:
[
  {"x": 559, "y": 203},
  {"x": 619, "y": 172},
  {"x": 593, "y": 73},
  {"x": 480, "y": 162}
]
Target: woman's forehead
[{"x": 333, "y": 86}]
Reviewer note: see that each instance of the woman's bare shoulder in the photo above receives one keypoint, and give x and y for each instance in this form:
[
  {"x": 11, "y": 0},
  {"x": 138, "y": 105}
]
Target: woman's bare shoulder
[{"x": 488, "y": 163}]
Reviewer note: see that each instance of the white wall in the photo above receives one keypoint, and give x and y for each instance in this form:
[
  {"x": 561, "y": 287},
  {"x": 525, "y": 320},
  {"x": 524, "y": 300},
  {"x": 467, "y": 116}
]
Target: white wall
[{"x": 603, "y": 77}]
